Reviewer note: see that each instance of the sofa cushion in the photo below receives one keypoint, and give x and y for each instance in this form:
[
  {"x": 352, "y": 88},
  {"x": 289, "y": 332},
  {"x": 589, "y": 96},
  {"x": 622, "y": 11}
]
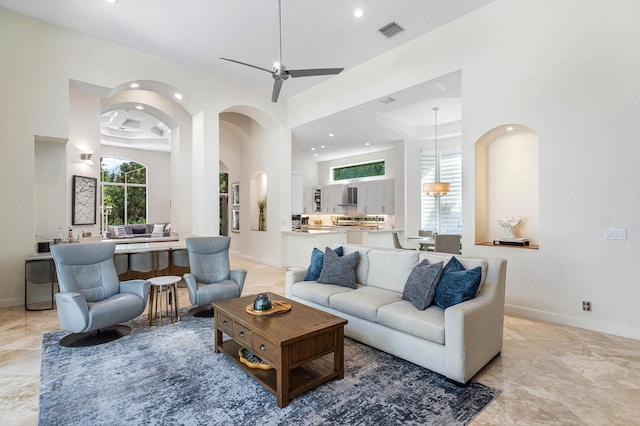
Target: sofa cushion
[
  {"x": 315, "y": 292},
  {"x": 362, "y": 270},
  {"x": 389, "y": 269},
  {"x": 315, "y": 266},
  {"x": 404, "y": 317},
  {"x": 138, "y": 231},
  {"x": 457, "y": 284},
  {"x": 363, "y": 302},
  {"x": 122, "y": 231},
  {"x": 420, "y": 287},
  {"x": 339, "y": 270}
]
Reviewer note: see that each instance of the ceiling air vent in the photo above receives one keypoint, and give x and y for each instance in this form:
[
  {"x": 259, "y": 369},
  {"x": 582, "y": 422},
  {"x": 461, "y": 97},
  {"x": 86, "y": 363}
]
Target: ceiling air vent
[
  {"x": 391, "y": 29},
  {"x": 387, "y": 100}
]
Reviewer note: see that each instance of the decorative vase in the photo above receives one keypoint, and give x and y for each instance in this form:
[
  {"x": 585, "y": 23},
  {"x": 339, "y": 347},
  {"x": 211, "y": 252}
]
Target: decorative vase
[
  {"x": 261, "y": 221},
  {"x": 508, "y": 224}
]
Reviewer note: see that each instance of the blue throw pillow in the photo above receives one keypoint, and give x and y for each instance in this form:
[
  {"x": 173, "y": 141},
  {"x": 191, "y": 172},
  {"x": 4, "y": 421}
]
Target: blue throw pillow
[
  {"x": 315, "y": 267},
  {"x": 457, "y": 284}
]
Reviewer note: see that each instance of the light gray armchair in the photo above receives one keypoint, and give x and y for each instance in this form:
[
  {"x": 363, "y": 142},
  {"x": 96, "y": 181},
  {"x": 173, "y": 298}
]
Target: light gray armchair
[
  {"x": 211, "y": 278},
  {"x": 92, "y": 300}
]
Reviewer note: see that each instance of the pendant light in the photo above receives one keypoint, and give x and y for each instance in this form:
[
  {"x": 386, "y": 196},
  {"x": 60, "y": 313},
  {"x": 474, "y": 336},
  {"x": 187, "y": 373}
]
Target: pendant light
[{"x": 437, "y": 188}]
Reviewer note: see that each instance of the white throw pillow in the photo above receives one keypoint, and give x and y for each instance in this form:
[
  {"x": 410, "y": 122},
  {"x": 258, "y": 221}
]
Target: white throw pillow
[{"x": 158, "y": 230}]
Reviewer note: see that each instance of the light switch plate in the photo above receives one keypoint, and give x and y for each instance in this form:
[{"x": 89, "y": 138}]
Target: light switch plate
[{"x": 615, "y": 233}]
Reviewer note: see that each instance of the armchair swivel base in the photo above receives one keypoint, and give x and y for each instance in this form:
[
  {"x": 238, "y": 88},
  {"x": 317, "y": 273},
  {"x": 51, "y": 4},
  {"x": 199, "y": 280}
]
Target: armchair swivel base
[
  {"x": 93, "y": 338},
  {"x": 205, "y": 311}
]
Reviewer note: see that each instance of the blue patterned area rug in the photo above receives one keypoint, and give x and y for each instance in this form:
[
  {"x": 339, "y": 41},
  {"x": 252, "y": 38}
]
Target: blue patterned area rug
[{"x": 170, "y": 375}]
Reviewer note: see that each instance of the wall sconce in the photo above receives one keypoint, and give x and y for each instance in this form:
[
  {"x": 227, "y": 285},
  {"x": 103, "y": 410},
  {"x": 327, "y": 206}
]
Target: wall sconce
[{"x": 87, "y": 157}]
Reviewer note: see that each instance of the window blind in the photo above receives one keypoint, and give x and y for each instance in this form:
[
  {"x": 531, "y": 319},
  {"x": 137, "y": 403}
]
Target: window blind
[{"x": 447, "y": 207}]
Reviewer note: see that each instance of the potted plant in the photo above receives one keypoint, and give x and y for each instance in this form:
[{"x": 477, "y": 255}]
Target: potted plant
[{"x": 262, "y": 204}]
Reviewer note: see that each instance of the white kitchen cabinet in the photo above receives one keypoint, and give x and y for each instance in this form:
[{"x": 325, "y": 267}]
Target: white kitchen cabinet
[
  {"x": 307, "y": 200},
  {"x": 331, "y": 197},
  {"x": 376, "y": 197}
]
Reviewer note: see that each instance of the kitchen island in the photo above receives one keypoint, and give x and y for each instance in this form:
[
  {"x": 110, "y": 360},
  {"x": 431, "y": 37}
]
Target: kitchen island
[{"x": 298, "y": 245}]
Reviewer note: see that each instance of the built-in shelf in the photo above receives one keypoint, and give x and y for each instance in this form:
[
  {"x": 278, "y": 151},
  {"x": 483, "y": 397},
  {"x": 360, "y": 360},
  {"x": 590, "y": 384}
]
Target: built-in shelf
[{"x": 529, "y": 247}]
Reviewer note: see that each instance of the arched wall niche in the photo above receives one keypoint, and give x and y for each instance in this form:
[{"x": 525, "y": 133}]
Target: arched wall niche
[
  {"x": 255, "y": 139},
  {"x": 507, "y": 182}
]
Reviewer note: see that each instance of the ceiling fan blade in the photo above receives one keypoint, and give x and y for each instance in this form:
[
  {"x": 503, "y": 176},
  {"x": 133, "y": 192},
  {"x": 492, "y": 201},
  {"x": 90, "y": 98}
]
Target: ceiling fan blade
[
  {"x": 277, "y": 85},
  {"x": 312, "y": 72},
  {"x": 248, "y": 65}
]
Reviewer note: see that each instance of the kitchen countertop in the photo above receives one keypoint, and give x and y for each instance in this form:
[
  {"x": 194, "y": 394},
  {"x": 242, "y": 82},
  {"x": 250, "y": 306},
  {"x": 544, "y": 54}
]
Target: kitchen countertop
[{"x": 339, "y": 229}]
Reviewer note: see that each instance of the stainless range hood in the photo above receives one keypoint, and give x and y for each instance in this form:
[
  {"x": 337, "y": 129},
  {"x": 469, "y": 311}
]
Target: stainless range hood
[{"x": 349, "y": 196}]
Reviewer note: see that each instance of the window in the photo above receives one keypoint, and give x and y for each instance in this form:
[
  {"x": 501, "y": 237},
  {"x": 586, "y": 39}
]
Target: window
[
  {"x": 442, "y": 214},
  {"x": 359, "y": 171},
  {"x": 124, "y": 189}
]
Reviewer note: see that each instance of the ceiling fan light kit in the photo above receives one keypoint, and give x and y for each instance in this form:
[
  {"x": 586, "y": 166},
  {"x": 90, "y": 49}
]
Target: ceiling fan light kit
[{"x": 280, "y": 73}]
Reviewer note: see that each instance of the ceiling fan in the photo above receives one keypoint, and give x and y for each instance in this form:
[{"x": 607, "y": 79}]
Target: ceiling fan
[{"x": 280, "y": 73}]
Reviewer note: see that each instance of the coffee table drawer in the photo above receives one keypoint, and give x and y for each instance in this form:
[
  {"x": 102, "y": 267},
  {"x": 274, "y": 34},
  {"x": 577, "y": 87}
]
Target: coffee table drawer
[
  {"x": 242, "y": 335},
  {"x": 225, "y": 324},
  {"x": 264, "y": 349}
]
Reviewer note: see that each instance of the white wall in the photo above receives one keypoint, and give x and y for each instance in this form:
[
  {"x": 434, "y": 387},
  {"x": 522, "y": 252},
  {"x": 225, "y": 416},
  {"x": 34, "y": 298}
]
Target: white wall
[
  {"x": 568, "y": 70},
  {"x": 50, "y": 189},
  {"x": 41, "y": 60}
]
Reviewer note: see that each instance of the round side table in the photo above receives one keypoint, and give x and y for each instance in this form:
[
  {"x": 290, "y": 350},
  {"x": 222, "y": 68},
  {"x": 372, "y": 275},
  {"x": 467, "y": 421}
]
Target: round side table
[{"x": 168, "y": 284}]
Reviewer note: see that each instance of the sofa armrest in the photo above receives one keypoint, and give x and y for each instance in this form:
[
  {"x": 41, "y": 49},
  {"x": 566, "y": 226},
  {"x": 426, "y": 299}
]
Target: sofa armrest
[
  {"x": 73, "y": 312},
  {"x": 474, "y": 329},
  {"x": 293, "y": 276},
  {"x": 138, "y": 287}
]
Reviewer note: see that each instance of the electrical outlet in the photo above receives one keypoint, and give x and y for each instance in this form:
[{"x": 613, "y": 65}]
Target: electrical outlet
[{"x": 586, "y": 305}]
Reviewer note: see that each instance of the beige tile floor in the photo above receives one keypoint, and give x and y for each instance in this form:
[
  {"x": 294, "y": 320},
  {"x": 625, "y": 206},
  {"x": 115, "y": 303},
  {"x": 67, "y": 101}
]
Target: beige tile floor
[{"x": 548, "y": 374}]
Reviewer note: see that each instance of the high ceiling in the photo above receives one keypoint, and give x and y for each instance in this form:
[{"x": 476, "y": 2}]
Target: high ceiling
[{"x": 315, "y": 33}]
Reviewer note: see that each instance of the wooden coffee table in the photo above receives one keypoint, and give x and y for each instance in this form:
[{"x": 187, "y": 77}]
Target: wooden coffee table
[{"x": 295, "y": 344}]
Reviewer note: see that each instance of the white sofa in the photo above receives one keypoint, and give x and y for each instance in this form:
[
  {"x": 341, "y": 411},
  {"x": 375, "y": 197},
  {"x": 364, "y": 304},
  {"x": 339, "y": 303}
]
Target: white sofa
[{"x": 456, "y": 342}]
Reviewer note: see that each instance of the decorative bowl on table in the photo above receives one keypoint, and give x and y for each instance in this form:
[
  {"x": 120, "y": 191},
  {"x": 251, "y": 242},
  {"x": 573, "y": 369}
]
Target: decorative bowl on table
[{"x": 251, "y": 360}]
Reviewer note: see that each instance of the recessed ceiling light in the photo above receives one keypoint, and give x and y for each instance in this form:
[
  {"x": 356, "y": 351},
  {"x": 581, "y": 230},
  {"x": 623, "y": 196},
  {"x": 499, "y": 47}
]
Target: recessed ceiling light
[
  {"x": 313, "y": 149},
  {"x": 315, "y": 155},
  {"x": 178, "y": 96},
  {"x": 510, "y": 128},
  {"x": 367, "y": 143},
  {"x": 358, "y": 13},
  {"x": 134, "y": 85},
  {"x": 112, "y": 1},
  {"x": 139, "y": 107},
  {"x": 331, "y": 135},
  {"x": 322, "y": 146}
]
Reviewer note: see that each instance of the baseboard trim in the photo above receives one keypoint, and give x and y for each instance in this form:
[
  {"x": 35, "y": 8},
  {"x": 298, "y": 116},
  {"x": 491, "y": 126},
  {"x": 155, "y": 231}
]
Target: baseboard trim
[
  {"x": 599, "y": 326},
  {"x": 14, "y": 301}
]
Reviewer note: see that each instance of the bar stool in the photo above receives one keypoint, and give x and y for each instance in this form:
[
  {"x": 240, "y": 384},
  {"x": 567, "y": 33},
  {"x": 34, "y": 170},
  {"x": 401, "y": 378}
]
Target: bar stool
[
  {"x": 38, "y": 272},
  {"x": 180, "y": 262},
  {"x": 122, "y": 264},
  {"x": 148, "y": 264}
]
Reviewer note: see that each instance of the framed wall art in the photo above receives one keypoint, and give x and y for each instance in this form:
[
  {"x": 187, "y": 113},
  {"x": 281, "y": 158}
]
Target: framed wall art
[
  {"x": 83, "y": 204},
  {"x": 235, "y": 220},
  {"x": 235, "y": 194}
]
